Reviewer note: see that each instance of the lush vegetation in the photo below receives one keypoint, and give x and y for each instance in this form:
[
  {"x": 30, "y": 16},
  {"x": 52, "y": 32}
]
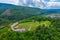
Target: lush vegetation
[
  {"x": 45, "y": 28},
  {"x": 42, "y": 26},
  {"x": 19, "y": 13}
]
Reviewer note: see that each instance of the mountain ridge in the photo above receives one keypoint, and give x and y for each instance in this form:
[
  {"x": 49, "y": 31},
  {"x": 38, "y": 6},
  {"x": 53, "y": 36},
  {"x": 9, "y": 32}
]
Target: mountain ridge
[{"x": 21, "y": 12}]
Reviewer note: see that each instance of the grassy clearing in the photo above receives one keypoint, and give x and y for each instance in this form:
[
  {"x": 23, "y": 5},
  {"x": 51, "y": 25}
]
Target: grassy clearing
[
  {"x": 33, "y": 25},
  {"x": 45, "y": 23},
  {"x": 28, "y": 25}
]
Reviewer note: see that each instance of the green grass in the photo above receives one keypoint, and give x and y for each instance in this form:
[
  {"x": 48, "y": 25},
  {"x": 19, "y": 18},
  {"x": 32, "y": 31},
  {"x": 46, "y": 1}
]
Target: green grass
[
  {"x": 27, "y": 25},
  {"x": 37, "y": 32},
  {"x": 45, "y": 23},
  {"x": 34, "y": 25}
]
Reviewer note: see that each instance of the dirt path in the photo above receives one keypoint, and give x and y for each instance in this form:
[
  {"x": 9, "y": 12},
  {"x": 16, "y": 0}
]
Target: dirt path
[{"x": 15, "y": 25}]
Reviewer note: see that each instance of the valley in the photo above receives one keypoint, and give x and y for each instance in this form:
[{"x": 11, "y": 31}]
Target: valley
[{"x": 26, "y": 23}]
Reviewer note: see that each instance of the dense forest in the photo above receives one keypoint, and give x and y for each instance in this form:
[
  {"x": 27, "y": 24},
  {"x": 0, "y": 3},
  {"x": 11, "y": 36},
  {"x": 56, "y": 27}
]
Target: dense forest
[
  {"x": 48, "y": 30},
  {"x": 39, "y": 24}
]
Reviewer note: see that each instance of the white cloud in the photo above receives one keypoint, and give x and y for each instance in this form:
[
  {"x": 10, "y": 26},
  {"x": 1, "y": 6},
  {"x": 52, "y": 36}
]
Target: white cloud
[
  {"x": 24, "y": 1},
  {"x": 9, "y": 1},
  {"x": 52, "y": 0},
  {"x": 39, "y": 3},
  {"x": 53, "y": 4},
  {"x": 34, "y": 3},
  {"x": 31, "y": 5}
]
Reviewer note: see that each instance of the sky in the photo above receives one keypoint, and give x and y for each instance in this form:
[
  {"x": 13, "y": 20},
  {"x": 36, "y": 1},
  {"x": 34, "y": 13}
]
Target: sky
[
  {"x": 9, "y": 1},
  {"x": 48, "y": 3}
]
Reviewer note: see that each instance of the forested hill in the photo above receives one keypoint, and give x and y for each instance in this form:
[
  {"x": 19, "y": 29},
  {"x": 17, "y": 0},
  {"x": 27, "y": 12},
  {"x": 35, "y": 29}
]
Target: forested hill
[
  {"x": 13, "y": 12},
  {"x": 17, "y": 12},
  {"x": 4, "y": 7},
  {"x": 41, "y": 26}
]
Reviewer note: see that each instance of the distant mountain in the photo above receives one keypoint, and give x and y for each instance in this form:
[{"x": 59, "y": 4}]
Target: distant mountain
[
  {"x": 4, "y": 6},
  {"x": 50, "y": 11},
  {"x": 13, "y": 12}
]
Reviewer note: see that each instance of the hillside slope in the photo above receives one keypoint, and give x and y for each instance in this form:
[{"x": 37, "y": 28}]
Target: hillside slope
[
  {"x": 4, "y": 6},
  {"x": 13, "y": 12},
  {"x": 44, "y": 29}
]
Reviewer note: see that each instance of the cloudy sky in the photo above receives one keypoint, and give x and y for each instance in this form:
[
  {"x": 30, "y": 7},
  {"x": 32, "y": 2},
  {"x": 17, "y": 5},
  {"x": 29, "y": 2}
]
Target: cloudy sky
[
  {"x": 37, "y": 3},
  {"x": 9, "y": 1}
]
